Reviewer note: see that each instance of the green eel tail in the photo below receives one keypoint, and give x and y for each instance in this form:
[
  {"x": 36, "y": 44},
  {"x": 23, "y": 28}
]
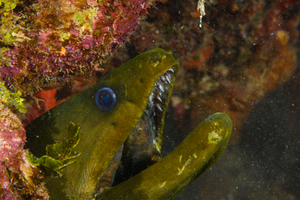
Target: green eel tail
[{"x": 168, "y": 177}]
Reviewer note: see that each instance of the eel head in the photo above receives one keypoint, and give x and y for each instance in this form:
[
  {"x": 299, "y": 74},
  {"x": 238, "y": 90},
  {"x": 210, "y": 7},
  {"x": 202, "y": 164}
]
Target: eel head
[{"x": 114, "y": 151}]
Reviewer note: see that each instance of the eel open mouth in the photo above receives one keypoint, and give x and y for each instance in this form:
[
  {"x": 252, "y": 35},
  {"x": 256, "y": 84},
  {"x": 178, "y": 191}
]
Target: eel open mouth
[{"x": 143, "y": 146}]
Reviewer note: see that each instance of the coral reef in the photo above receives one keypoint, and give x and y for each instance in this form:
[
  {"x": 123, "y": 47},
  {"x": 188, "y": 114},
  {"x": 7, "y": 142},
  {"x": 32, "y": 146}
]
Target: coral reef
[
  {"x": 18, "y": 178},
  {"x": 12, "y": 135},
  {"x": 48, "y": 41}
]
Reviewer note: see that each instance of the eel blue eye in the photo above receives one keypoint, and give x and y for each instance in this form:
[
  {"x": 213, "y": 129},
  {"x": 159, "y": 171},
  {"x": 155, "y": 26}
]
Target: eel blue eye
[{"x": 105, "y": 98}]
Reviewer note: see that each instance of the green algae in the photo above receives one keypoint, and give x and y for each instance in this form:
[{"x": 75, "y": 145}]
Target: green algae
[
  {"x": 12, "y": 99},
  {"x": 59, "y": 155}
]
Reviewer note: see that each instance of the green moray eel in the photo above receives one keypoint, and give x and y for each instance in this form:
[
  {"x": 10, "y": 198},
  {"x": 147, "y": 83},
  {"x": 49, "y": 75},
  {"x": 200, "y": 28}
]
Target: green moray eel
[{"x": 109, "y": 137}]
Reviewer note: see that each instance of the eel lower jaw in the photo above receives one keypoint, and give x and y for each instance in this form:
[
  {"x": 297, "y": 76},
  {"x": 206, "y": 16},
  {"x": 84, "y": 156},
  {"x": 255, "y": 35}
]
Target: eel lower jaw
[{"x": 172, "y": 174}]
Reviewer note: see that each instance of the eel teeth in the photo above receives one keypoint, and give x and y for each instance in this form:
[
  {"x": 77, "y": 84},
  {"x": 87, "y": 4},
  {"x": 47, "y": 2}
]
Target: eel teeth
[
  {"x": 158, "y": 107},
  {"x": 161, "y": 87},
  {"x": 159, "y": 99},
  {"x": 168, "y": 78}
]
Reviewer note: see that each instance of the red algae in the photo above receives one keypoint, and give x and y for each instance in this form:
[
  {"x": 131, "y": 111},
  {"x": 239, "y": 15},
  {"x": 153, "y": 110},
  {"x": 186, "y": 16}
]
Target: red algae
[
  {"x": 12, "y": 134},
  {"x": 61, "y": 40},
  {"x": 17, "y": 176}
]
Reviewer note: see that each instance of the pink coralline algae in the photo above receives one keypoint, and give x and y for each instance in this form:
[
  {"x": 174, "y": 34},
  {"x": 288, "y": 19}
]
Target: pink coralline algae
[
  {"x": 55, "y": 40},
  {"x": 18, "y": 178},
  {"x": 12, "y": 134}
]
